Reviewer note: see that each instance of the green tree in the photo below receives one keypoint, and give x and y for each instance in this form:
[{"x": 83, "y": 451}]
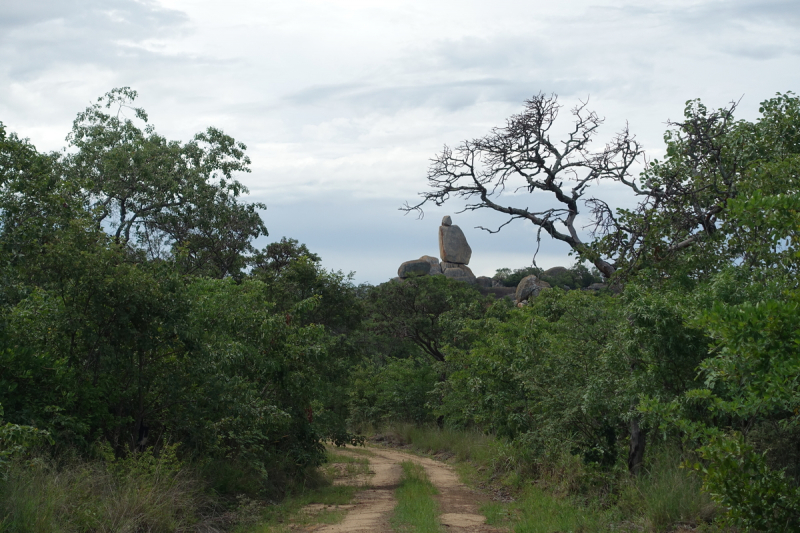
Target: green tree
[
  {"x": 168, "y": 198},
  {"x": 423, "y": 310}
]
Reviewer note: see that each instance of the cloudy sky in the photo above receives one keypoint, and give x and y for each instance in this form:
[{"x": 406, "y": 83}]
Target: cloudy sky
[{"x": 343, "y": 102}]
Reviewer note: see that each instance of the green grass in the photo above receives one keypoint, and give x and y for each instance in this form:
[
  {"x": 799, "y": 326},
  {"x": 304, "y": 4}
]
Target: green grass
[
  {"x": 344, "y": 465},
  {"x": 416, "y": 510},
  {"x": 666, "y": 494},
  {"x": 562, "y": 493},
  {"x": 94, "y": 496},
  {"x": 280, "y": 516},
  {"x": 277, "y": 517},
  {"x": 537, "y": 511}
]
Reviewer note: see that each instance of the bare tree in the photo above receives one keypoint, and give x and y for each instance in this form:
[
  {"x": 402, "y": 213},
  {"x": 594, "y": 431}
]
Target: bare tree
[
  {"x": 680, "y": 198},
  {"x": 522, "y": 157}
]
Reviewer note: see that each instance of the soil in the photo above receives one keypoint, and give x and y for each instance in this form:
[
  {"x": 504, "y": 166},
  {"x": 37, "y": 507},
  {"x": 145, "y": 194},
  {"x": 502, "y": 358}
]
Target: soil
[{"x": 373, "y": 507}]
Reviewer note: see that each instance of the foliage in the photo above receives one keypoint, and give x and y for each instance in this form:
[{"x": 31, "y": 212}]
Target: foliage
[
  {"x": 129, "y": 321},
  {"x": 549, "y": 374},
  {"x": 18, "y": 441},
  {"x": 424, "y": 310},
  {"x": 397, "y": 391},
  {"x": 415, "y": 509},
  {"x": 575, "y": 277},
  {"x": 755, "y": 496},
  {"x": 167, "y": 197}
]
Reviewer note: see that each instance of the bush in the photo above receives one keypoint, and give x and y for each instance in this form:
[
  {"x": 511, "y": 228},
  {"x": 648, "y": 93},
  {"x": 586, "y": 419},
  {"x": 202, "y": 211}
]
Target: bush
[
  {"x": 143, "y": 493},
  {"x": 396, "y": 392}
]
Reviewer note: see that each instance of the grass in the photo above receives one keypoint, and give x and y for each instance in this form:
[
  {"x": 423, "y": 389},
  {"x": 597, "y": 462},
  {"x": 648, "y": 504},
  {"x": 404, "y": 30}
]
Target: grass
[
  {"x": 416, "y": 510},
  {"x": 666, "y": 494},
  {"x": 344, "y": 465},
  {"x": 538, "y": 511},
  {"x": 281, "y": 516},
  {"x": 99, "y": 497},
  {"x": 322, "y": 496},
  {"x": 160, "y": 494},
  {"x": 561, "y": 492}
]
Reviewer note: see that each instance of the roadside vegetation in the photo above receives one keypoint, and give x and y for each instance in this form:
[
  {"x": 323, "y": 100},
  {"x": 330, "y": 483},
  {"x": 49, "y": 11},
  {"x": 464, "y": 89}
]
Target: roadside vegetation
[
  {"x": 159, "y": 372},
  {"x": 416, "y": 510}
]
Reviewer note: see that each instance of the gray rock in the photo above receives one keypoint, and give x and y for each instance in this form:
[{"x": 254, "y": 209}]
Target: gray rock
[
  {"x": 436, "y": 268},
  {"x": 596, "y": 287},
  {"x": 529, "y": 287},
  {"x": 447, "y": 221},
  {"x": 555, "y": 271},
  {"x": 453, "y": 247},
  {"x": 417, "y": 267},
  {"x": 484, "y": 281},
  {"x": 461, "y": 273}
]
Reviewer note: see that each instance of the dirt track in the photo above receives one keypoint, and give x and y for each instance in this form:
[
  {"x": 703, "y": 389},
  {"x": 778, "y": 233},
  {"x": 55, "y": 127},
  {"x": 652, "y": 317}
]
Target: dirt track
[{"x": 373, "y": 506}]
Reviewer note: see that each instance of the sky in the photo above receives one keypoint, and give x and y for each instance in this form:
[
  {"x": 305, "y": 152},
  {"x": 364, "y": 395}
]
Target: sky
[{"x": 342, "y": 103}]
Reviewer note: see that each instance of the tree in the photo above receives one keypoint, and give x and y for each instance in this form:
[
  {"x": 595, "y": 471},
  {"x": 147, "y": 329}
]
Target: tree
[
  {"x": 416, "y": 309},
  {"x": 522, "y": 156},
  {"x": 682, "y": 199},
  {"x": 166, "y": 197},
  {"x": 681, "y": 228}
]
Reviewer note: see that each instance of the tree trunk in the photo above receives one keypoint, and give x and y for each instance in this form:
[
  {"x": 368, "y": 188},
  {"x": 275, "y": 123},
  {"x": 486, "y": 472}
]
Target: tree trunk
[{"x": 636, "y": 452}]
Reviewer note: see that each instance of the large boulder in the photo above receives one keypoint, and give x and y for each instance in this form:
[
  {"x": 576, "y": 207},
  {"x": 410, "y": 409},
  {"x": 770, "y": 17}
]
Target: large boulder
[
  {"x": 453, "y": 247},
  {"x": 436, "y": 268},
  {"x": 484, "y": 281},
  {"x": 417, "y": 267},
  {"x": 555, "y": 271},
  {"x": 460, "y": 273},
  {"x": 529, "y": 287}
]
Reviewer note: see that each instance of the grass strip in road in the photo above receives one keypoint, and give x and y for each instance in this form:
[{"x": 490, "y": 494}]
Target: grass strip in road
[{"x": 416, "y": 510}]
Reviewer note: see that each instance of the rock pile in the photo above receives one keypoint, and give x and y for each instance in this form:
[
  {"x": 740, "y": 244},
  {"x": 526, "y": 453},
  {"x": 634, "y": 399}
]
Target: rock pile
[{"x": 454, "y": 251}]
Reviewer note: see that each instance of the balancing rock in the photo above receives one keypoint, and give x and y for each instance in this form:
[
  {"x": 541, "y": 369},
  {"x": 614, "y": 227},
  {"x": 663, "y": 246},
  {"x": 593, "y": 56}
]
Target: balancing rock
[{"x": 453, "y": 247}]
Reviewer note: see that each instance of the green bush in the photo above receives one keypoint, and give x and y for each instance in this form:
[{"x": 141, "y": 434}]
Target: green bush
[{"x": 398, "y": 391}]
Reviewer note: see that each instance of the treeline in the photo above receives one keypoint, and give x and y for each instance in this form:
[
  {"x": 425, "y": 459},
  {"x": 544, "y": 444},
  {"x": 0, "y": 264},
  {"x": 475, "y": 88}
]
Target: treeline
[
  {"x": 138, "y": 320},
  {"x": 136, "y": 314}
]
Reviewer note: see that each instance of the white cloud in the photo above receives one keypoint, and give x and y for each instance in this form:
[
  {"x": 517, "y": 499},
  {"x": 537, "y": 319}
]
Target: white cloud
[{"x": 342, "y": 102}]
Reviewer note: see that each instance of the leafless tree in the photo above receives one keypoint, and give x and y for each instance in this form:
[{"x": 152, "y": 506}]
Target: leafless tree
[{"x": 522, "y": 157}]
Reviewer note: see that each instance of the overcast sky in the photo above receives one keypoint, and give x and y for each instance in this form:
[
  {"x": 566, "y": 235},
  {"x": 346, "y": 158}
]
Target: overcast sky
[{"x": 343, "y": 102}]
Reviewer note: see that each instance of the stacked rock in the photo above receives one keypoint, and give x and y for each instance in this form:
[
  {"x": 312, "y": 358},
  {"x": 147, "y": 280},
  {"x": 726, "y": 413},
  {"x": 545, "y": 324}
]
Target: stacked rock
[{"x": 454, "y": 251}]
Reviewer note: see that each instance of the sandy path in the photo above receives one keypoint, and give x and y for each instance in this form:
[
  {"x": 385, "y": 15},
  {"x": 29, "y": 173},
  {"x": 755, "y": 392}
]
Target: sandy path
[{"x": 373, "y": 507}]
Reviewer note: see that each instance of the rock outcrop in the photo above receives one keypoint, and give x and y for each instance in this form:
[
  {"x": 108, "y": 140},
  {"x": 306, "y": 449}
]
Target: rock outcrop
[
  {"x": 417, "y": 267},
  {"x": 485, "y": 281},
  {"x": 454, "y": 252},
  {"x": 453, "y": 246},
  {"x": 436, "y": 268},
  {"x": 529, "y": 287}
]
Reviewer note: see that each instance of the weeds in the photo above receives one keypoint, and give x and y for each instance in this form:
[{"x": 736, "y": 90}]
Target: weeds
[
  {"x": 570, "y": 494},
  {"x": 416, "y": 511},
  {"x": 148, "y": 496}
]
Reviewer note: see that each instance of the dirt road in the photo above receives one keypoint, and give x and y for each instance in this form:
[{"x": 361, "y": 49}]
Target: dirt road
[{"x": 373, "y": 506}]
